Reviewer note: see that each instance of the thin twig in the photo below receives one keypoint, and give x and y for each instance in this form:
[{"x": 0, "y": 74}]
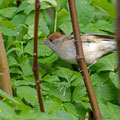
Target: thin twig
[
  {"x": 81, "y": 61},
  {"x": 118, "y": 38},
  {"x": 35, "y": 66},
  {"x": 5, "y": 82}
]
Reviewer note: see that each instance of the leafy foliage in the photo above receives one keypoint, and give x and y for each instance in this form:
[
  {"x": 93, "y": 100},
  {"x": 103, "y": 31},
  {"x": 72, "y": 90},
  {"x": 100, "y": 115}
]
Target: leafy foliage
[{"x": 63, "y": 89}]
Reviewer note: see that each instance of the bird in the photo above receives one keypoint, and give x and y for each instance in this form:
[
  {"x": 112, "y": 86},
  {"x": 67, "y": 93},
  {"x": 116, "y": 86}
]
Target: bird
[{"x": 94, "y": 46}]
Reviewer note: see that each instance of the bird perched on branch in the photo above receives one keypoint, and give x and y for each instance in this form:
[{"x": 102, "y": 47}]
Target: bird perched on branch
[{"x": 94, "y": 46}]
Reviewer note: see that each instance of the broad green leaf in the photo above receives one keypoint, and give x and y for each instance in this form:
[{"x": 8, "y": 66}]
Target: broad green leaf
[
  {"x": 81, "y": 111},
  {"x": 51, "y": 78},
  {"x": 98, "y": 78},
  {"x": 22, "y": 31},
  {"x": 106, "y": 63},
  {"x": 57, "y": 90},
  {"x": 63, "y": 16},
  {"x": 106, "y": 6},
  {"x": 26, "y": 7},
  {"x": 109, "y": 111},
  {"x": 43, "y": 50},
  {"x": 106, "y": 26},
  {"x": 79, "y": 95},
  {"x": 15, "y": 70},
  {"x": 6, "y": 96},
  {"x": 85, "y": 11},
  {"x": 8, "y": 12},
  {"x": 28, "y": 93},
  {"x": 12, "y": 61},
  {"x": 8, "y": 24},
  {"x": 43, "y": 30},
  {"x": 71, "y": 110},
  {"x": 19, "y": 19},
  {"x": 53, "y": 104},
  {"x": 64, "y": 73},
  {"x": 92, "y": 28},
  {"x": 68, "y": 75},
  {"x": 114, "y": 78},
  {"x": 66, "y": 27},
  {"x": 26, "y": 68},
  {"x": 62, "y": 115},
  {"x": 105, "y": 91},
  {"x": 8, "y": 28},
  {"x": 7, "y": 31},
  {"x": 6, "y": 112},
  {"x": 48, "y": 59}
]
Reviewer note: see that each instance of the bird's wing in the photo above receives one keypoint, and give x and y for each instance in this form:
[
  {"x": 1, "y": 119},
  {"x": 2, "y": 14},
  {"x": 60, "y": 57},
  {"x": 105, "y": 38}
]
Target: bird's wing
[
  {"x": 104, "y": 37},
  {"x": 89, "y": 38}
]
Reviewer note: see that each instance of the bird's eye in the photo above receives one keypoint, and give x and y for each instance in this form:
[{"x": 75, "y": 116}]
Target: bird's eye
[{"x": 51, "y": 40}]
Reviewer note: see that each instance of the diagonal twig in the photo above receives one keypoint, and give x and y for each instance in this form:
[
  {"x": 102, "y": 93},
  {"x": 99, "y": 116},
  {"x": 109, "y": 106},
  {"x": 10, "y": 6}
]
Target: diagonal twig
[
  {"x": 81, "y": 61},
  {"x": 35, "y": 65}
]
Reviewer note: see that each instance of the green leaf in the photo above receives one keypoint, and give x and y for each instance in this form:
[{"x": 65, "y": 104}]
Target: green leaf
[
  {"x": 12, "y": 61},
  {"x": 52, "y": 104},
  {"x": 7, "y": 31},
  {"x": 6, "y": 112},
  {"x": 106, "y": 26},
  {"x": 66, "y": 27},
  {"x": 26, "y": 68},
  {"x": 80, "y": 94},
  {"x": 26, "y": 7},
  {"x": 15, "y": 70},
  {"x": 8, "y": 28},
  {"x": 8, "y": 12},
  {"x": 106, "y": 6},
  {"x": 92, "y": 28},
  {"x": 98, "y": 78},
  {"x": 28, "y": 93},
  {"x": 19, "y": 19},
  {"x": 62, "y": 115},
  {"x": 43, "y": 50},
  {"x": 6, "y": 96},
  {"x": 105, "y": 91},
  {"x": 57, "y": 90},
  {"x": 8, "y": 24},
  {"x": 71, "y": 110},
  {"x": 48, "y": 59},
  {"x": 106, "y": 63},
  {"x": 22, "y": 31},
  {"x": 85, "y": 11},
  {"x": 51, "y": 78},
  {"x": 68, "y": 74},
  {"x": 109, "y": 111},
  {"x": 63, "y": 16},
  {"x": 114, "y": 78}
]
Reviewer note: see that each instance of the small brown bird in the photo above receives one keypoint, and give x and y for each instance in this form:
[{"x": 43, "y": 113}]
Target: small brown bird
[{"x": 94, "y": 46}]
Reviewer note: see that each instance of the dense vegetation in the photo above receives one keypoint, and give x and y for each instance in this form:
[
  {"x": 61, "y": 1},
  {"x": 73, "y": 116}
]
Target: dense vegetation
[{"x": 63, "y": 89}]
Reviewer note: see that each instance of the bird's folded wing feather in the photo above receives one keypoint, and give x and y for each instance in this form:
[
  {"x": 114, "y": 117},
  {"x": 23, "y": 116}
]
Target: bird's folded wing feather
[{"x": 93, "y": 38}]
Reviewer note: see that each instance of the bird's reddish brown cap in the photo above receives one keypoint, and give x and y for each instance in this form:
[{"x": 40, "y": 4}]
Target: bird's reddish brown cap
[{"x": 55, "y": 35}]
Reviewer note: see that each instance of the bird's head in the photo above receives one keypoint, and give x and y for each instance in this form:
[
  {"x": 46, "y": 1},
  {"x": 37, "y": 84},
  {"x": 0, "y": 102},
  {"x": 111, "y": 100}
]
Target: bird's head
[{"x": 54, "y": 39}]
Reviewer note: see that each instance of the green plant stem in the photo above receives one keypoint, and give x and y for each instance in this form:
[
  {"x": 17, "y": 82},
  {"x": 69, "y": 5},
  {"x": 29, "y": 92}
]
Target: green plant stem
[{"x": 55, "y": 25}]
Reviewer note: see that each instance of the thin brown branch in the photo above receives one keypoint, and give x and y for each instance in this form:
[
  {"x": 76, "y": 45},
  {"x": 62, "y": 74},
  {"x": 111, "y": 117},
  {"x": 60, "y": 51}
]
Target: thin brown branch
[
  {"x": 81, "y": 61},
  {"x": 18, "y": 3},
  {"x": 35, "y": 66},
  {"x": 118, "y": 37},
  {"x": 5, "y": 82}
]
